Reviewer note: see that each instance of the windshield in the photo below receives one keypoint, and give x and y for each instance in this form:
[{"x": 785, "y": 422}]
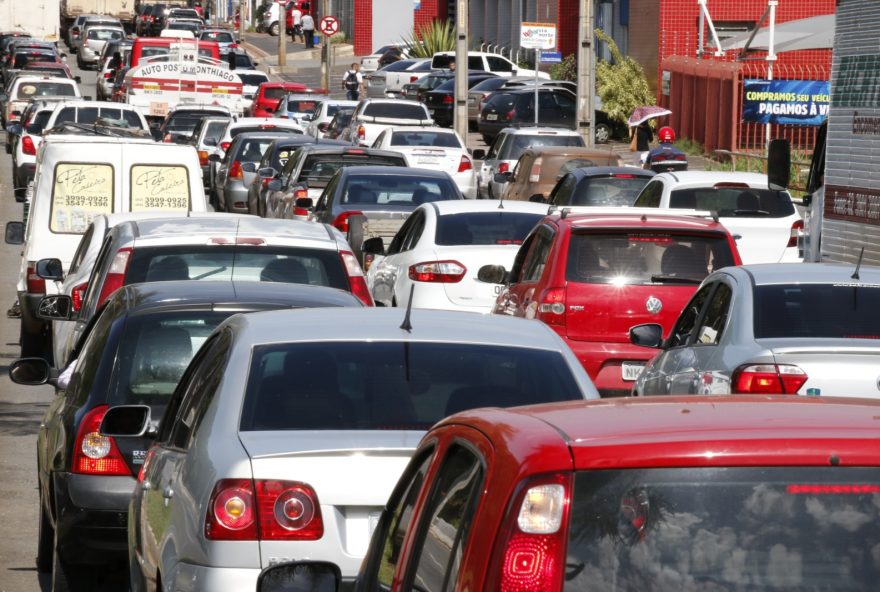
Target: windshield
[
  {"x": 399, "y": 66},
  {"x": 392, "y": 190},
  {"x": 252, "y": 79},
  {"x": 645, "y": 257},
  {"x": 734, "y": 201},
  {"x": 485, "y": 228},
  {"x": 91, "y": 114},
  {"x": 395, "y": 111},
  {"x": 217, "y": 36},
  {"x": 600, "y": 191},
  {"x": 780, "y": 529},
  {"x": 393, "y": 385},
  {"x": 490, "y": 84},
  {"x": 105, "y": 34},
  {"x": 835, "y": 311},
  {"x": 425, "y": 138}
]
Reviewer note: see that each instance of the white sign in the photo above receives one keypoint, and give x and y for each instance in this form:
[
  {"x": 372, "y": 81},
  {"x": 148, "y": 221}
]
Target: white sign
[
  {"x": 537, "y": 35},
  {"x": 329, "y": 25}
]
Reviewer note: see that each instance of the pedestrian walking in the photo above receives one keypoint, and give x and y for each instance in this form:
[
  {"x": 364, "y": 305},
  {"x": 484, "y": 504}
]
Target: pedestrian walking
[
  {"x": 296, "y": 16},
  {"x": 353, "y": 81},
  {"x": 641, "y": 139},
  {"x": 308, "y": 29}
]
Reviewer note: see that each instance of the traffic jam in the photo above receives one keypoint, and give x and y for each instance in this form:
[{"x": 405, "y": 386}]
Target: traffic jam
[{"x": 316, "y": 339}]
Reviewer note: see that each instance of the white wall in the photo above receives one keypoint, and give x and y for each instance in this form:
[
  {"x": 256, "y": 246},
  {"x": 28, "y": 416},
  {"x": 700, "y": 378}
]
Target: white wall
[{"x": 392, "y": 21}]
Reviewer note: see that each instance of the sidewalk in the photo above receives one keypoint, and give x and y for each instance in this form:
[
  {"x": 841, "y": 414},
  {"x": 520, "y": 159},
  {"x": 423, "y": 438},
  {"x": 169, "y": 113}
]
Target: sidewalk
[{"x": 305, "y": 66}]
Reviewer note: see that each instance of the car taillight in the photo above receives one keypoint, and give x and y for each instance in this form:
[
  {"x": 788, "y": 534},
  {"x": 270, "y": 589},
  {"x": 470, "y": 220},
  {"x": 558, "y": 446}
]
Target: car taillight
[
  {"x": 551, "y": 307},
  {"x": 768, "y": 379},
  {"x": 535, "y": 174},
  {"x": 439, "y": 272},
  {"x": 203, "y": 157},
  {"x": 235, "y": 170},
  {"x": 107, "y": 76},
  {"x": 232, "y": 511},
  {"x": 413, "y": 79},
  {"x": 224, "y": 146},
  {"x": 115, "y": 275},
  {"x": 465, "y": 164},
  {"x": 356, "y": 280},
  {"x": 94, "y": 454},
  {"x": 76, "y": 296},
  {"x": 233, "y": 46},
  {"x": 288, "y": 511},
  {"x": 530, "y": 552},
  {"x": 35, "y": 284},
  {"x": 448, "y": 100},
  {"x": 341, "y": 221},
  {"x": 796, "y": 229},
  {"x": 510, "y": 115},
  {"x": 167, "y": 138},
  {"x": 362, "y": 132},
  {"x": 503, "y": 167}
]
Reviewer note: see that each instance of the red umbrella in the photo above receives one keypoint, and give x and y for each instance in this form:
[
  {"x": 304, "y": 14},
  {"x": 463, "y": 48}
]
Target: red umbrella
[{"x": 642, "y": 114}]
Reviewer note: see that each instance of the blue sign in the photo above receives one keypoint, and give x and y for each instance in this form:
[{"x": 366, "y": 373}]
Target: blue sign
[
  {"x": 417, "y": 4},
  {"x": 786, "y": 102},
  {"x": 551, "y": 57}
]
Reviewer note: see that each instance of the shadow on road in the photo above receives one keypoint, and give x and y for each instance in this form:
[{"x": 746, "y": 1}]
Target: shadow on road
[{"x": 21, "y": 419}]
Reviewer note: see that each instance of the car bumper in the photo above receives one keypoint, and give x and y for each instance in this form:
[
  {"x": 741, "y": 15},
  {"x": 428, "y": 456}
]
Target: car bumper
[
  {"x": 491, "y": 128},
  {"x": 467, "y": 183},
  {"x": 199, "y": 578},
  {"x": 442, "y": 116},
  {"x": 236, "y": 196},
  {"x": 87, "y": 55},
  {"x": 91, "y": 515},
  {"x": 24, "y": 173},
  {"x": 604, "y": 361}
]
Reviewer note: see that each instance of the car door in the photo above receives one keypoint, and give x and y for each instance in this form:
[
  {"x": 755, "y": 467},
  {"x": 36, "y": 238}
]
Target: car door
[
  {"x": 519, "y": 180},
  {"x": 703, "y": 359},
  {"x": 396, "y": 267},
  {"x": 528, "y": 267},
  {"x": 662, "y": 375},
  {"x": 378, "y": 274},
  {"x": 650, "y": 196}
]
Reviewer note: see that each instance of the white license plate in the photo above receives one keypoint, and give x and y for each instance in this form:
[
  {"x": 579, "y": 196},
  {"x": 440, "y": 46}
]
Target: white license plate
[
  {"x": 491, "y": 117},
  {"x": 431, "y": 112},
  {"x": 472, "y": 100},
  {"x": 631, "y": 370},
  {"x": 428, "y": 160}
]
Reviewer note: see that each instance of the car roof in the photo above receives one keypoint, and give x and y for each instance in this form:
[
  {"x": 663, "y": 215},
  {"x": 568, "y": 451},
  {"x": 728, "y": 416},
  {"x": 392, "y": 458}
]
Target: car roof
[
  {"x": 736, "y": 430},
  {"x": 572, "y": 151},
  {"x": 811, "y": 273},
  {"x": 274, "y": 121},
  {"x": 31, "y": 79},
  {"x": 710, "y": 178},
  {"x": 418, "y": 129},
  {"x": 198, "y": 227},
  {"x": 461, "y": 206},
  {"x": 397, "y": 171},
  {"x": 531, "y": 129},
  {"x": 608, "y": 170},
  {"x": 383, "y": 324},
  {"x": 611, "y": 218},
  {"x": 75, "y": 102}
]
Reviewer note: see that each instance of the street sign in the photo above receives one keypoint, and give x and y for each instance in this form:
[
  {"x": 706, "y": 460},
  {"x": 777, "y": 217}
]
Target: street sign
[
  {"x": 329, "y": 25},
  {"x": 537, "y": 35},
  {"x": 551, "y": 57}
]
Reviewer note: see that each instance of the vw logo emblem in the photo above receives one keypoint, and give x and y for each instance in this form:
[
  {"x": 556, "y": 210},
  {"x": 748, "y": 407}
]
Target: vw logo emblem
[{"x": 653, "y": 305}]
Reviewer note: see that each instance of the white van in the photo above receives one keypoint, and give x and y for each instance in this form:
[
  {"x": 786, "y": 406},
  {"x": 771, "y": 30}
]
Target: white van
[{"x": 79, "y": 178}]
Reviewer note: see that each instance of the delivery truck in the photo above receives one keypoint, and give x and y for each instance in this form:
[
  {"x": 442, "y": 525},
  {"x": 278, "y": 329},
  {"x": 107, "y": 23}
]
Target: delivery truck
[
  {"x": 40, "y": 19},
  {"x": 70, "y": 9}
]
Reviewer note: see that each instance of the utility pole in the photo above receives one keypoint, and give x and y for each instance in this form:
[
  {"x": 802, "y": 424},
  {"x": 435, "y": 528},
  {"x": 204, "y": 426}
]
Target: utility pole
[
  {"x": 241, "y": 6},
  {"x": 586, "y": 75},
  {"x": 461, "y": 69},
  {"x": 326, "y": 59},
  {"x": 282, "y": 34}
]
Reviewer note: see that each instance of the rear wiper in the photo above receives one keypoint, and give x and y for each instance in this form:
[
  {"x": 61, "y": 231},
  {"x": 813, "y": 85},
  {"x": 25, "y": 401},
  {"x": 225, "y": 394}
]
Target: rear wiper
[
  {"x": 210, "y": 273},
  {"x": 674, "y": 279},
  {"x": 751, "y": 212}
]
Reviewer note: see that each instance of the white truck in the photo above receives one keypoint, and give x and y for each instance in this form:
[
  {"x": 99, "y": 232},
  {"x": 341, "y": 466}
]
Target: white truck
[
  {"x": 121, "y": 9},
  {"x": 842, "y": 206},
  {"x": 40, "y": 19}
]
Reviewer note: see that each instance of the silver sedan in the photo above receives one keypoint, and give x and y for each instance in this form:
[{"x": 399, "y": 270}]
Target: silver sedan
[{"x": 795, "y": 328}]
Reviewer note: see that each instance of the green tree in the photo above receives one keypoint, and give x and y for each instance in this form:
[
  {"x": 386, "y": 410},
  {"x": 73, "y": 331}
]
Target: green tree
[
  {"x": 426, "y": 40},
  {"x": 621, "y": 83}
]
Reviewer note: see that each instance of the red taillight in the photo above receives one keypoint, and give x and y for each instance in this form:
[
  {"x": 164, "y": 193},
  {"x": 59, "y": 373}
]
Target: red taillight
[
  {"x": 76, "y": 296},
  {"x": 503, "y": 167},
  {"x": 413, "y": 78},
  {"x": 510, "y": 115},
  {"x": 341, "y": 221},
  {"x": 551, "y": 307},
  {"x": 232, "y": 511},
  {"x": 530, "y": 555},
  {"x": 203, "y": 157},
  {"x": 796, "y": 229},
  {"x": 362, "y": 132},
  {"x": 439, "y": 272},
  {"x": 235, "y": 170},
  {"x": 288, "y": 511},
  {"x": 233, "y": 46},
  {"x": 94, "y": 454},
  {"x": 167, "y": 138},
  {"x": 448, "y": 100},
  {"x": 768, "y": 379},
  {"x": 356, "y": 280},
  {"x": 465, "y": 164},
  {"x": 107, "y": 76},
  {"x": 115, "y": 275},
  {"x": 833, "y": 489},
  {"x": 224, "y": 146},
  {"x": 35, "y": 284}
]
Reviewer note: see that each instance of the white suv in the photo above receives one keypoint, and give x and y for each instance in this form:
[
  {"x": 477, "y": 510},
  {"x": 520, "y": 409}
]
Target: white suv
[
  {"x": 488, "y": 62},
  {"x": 505, "y": 151}
]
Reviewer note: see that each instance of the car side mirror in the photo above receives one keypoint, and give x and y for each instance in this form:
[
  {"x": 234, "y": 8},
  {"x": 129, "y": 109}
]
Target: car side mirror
[
  {"x": 537, "y": 198},
  {"x": 304, "y": 203},
  {"x": 77, "y": 79},
  {"x": 15, "y": 233},
  {"x": 55, "y": 308},
  {"x": 50, "y": 269},
  {"x": 214, "y": 158},
  {"x": 126, "y": 421},
  {"x": 30, "y": 371},
  {"x": 267, "y": 173},
  {"x": 374, "y": 246},
  {"x": 300, "y": 576},
  {"x": 479, "y": 154},
  {"x": 807, "y": 200},
  {"x": 492, "y": 274},
  {"x": 503, "y": 177},
  {"x": 778, "y": 164},
  {"x": 647, "y": 335},
  {"x": 249, "y": 167},
  {"x": 274, "y": 185}
]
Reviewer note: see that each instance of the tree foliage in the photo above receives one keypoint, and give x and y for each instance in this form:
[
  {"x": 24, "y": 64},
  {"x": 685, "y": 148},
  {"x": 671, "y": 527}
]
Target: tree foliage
[
  {"x": 426, "y": 40},
  {"x": 621, "y": 83}
]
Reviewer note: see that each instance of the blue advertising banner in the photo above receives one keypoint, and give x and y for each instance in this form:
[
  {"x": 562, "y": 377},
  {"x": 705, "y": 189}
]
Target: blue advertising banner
[{"x": 788, "y": 102}]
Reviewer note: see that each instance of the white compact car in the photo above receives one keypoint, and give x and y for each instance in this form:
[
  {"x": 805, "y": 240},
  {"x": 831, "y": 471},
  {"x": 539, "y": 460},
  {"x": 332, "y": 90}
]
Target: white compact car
[
  {"x": 433, "y": 148},
  {"x": 374, "y": 115},
  {"x": 441, "y": 248},
  {"x": 764, "y": 222}
]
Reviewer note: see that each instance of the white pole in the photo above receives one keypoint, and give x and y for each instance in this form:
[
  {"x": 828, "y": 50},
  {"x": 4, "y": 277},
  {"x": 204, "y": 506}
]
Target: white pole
[
  {"x": 537, "y": 61},
  {"x": 771, "y": 54},
  {"x": 460, "y": 112},
  {"x": 585, "y": 73}
]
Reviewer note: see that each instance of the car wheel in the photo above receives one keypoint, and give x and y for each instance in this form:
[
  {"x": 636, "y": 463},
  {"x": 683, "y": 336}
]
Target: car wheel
[
  {"x": 274, "y": 29},
  {"x": 45, "y": 541},
  {"x": 603, "y": 133}
]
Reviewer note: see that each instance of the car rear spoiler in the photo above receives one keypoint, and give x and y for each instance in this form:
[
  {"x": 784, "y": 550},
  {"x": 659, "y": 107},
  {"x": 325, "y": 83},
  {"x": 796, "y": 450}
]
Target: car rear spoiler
[
  {"x": 652, "y": 212},
  {"x": 393, "y": 120}
]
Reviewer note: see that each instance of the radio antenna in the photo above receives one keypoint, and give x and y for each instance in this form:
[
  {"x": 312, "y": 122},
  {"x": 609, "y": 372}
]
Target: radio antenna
[{"x": 407, "y": 325}]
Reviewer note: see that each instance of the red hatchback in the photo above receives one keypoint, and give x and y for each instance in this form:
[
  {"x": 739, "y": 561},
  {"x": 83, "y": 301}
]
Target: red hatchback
[
  {"x": 270, "y": 94},
  {"x": 632, "y": 495},
  {"x": 592, "y": 277}
]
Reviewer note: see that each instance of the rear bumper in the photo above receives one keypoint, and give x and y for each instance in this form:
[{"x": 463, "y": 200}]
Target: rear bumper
[
  {"x": 603, "y": 361},
  {"x": 198, "y": 578},
  {"x": 235, "y": 195}
]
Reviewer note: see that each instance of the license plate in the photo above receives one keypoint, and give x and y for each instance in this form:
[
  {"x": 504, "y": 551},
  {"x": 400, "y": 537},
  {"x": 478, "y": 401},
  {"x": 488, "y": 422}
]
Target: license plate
[
  {"x": 431, "y": 112},
  {"x": 158, "y": 109},
  {"x": 491, "y": 117},
  {"x": 428, "y": 160},
  {"x": 472, "y": 100},
  {"x": 631, "y": 370}
]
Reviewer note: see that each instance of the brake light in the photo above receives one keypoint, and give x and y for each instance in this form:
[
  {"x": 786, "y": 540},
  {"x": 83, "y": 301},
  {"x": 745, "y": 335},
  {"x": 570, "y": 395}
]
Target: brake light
[
  {"x": 203, "y": 157},
  {"x": 233, "y": 46},
  {"x": 107, "y": 76},
  {"x": 341, "y": 221},
  {"x": 235, "y": 170},
  {"x": 623, "y": 176},
  {"x": 35, "y": 284},
  {"x": 76, "y": 296},
  {"x": 465, "y": 164},
  {"x": 288, "y": 511},
  {"x": 94, "y": 454},
  {"x": 167, "y": 138},
  {"x": 530, "y": 555},
  {"x": 27, "y": 146},
  {"x": 833, "y": 488},
  {"x": 510, "y": 115},
  {"x": 535, "y": 174},
  {"x": 730, "y": 185},
  {"x": 768, "y": 379},
  {"x": 503, "y": 167},
  {"x": 447, "y": 100},
  {"x": 551, "y": 307},
  {"x": 796, "y": 229},
  {"x": 439, "y": 272},
  {"x": 356, "y": 280},
  {"x": 362, "y": 132},
  {"x": 115, "y": 275},
  {"x": 224, "y": 146},
  {"x": 413, "y": 78},
  {"x": 231, "y": 511}
]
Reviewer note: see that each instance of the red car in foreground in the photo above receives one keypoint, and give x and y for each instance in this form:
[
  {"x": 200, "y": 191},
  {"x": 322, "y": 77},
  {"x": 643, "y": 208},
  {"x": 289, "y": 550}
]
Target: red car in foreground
[
  {"x": 591, "y": 277},
  {"x": 269, "y": 95},
  {"x": 632, "y": 495}
]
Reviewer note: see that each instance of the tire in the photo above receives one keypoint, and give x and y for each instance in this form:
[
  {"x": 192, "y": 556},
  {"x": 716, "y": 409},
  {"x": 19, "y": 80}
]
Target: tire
[
  {"x": 45, "y": 542},
  {"x": 136, "y": 581},
  {"x": 356, "y": 236},
  {"x": 274, "y": 29},
  {"x": 603, "y": 133}
]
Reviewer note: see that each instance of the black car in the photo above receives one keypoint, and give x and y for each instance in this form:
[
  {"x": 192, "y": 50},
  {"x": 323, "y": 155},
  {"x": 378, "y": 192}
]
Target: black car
[
  {"x": 415, "y": 91},
  {"x": 556, "y": 107},
  {"x": 599, "y": 186},
  {"x": 441, "y": 100},
  {"x": 132, "y": 353}
]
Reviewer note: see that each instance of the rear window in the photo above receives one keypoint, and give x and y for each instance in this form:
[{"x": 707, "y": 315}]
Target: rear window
[
  {"x": 792, "y": 529},
  {"x": 484, "y": 228},
  {"x": 274, "y": 93},
  {"x": 21, "y": 59},
  {"x": 81, "y": 191},
  {"x": 160, "y": 187},
  {"x": 252, "y": 79},
  {"x": 645, "y": 257},
  {"x": 393, "y": 385},
  {"x": 835, "y": 311},
  {"x": 252, "y": 150},
  {"x": 392, "y": 190},
  {"x": 105, "y": 34},
  {"x": 395, "y": 111},
  {"x": 490, "y": 84},
  {"x": 301, "y": 105},
  {"x": 602, "y": 191},
  {"x": 515, "y": 146},
  {"x": 734, "y": 201},
  {"x": 91, "y": 114},
  {"x": 319, "y": 168},
  {"x": 292, "y": 265},
  {"x": 501, "y": 101},
  {"x": 185, "y": 122},
  {"x": 218, "y": 37},
  {"x": 29, "y": 90},
  {"x": 425, "y": 138}
]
